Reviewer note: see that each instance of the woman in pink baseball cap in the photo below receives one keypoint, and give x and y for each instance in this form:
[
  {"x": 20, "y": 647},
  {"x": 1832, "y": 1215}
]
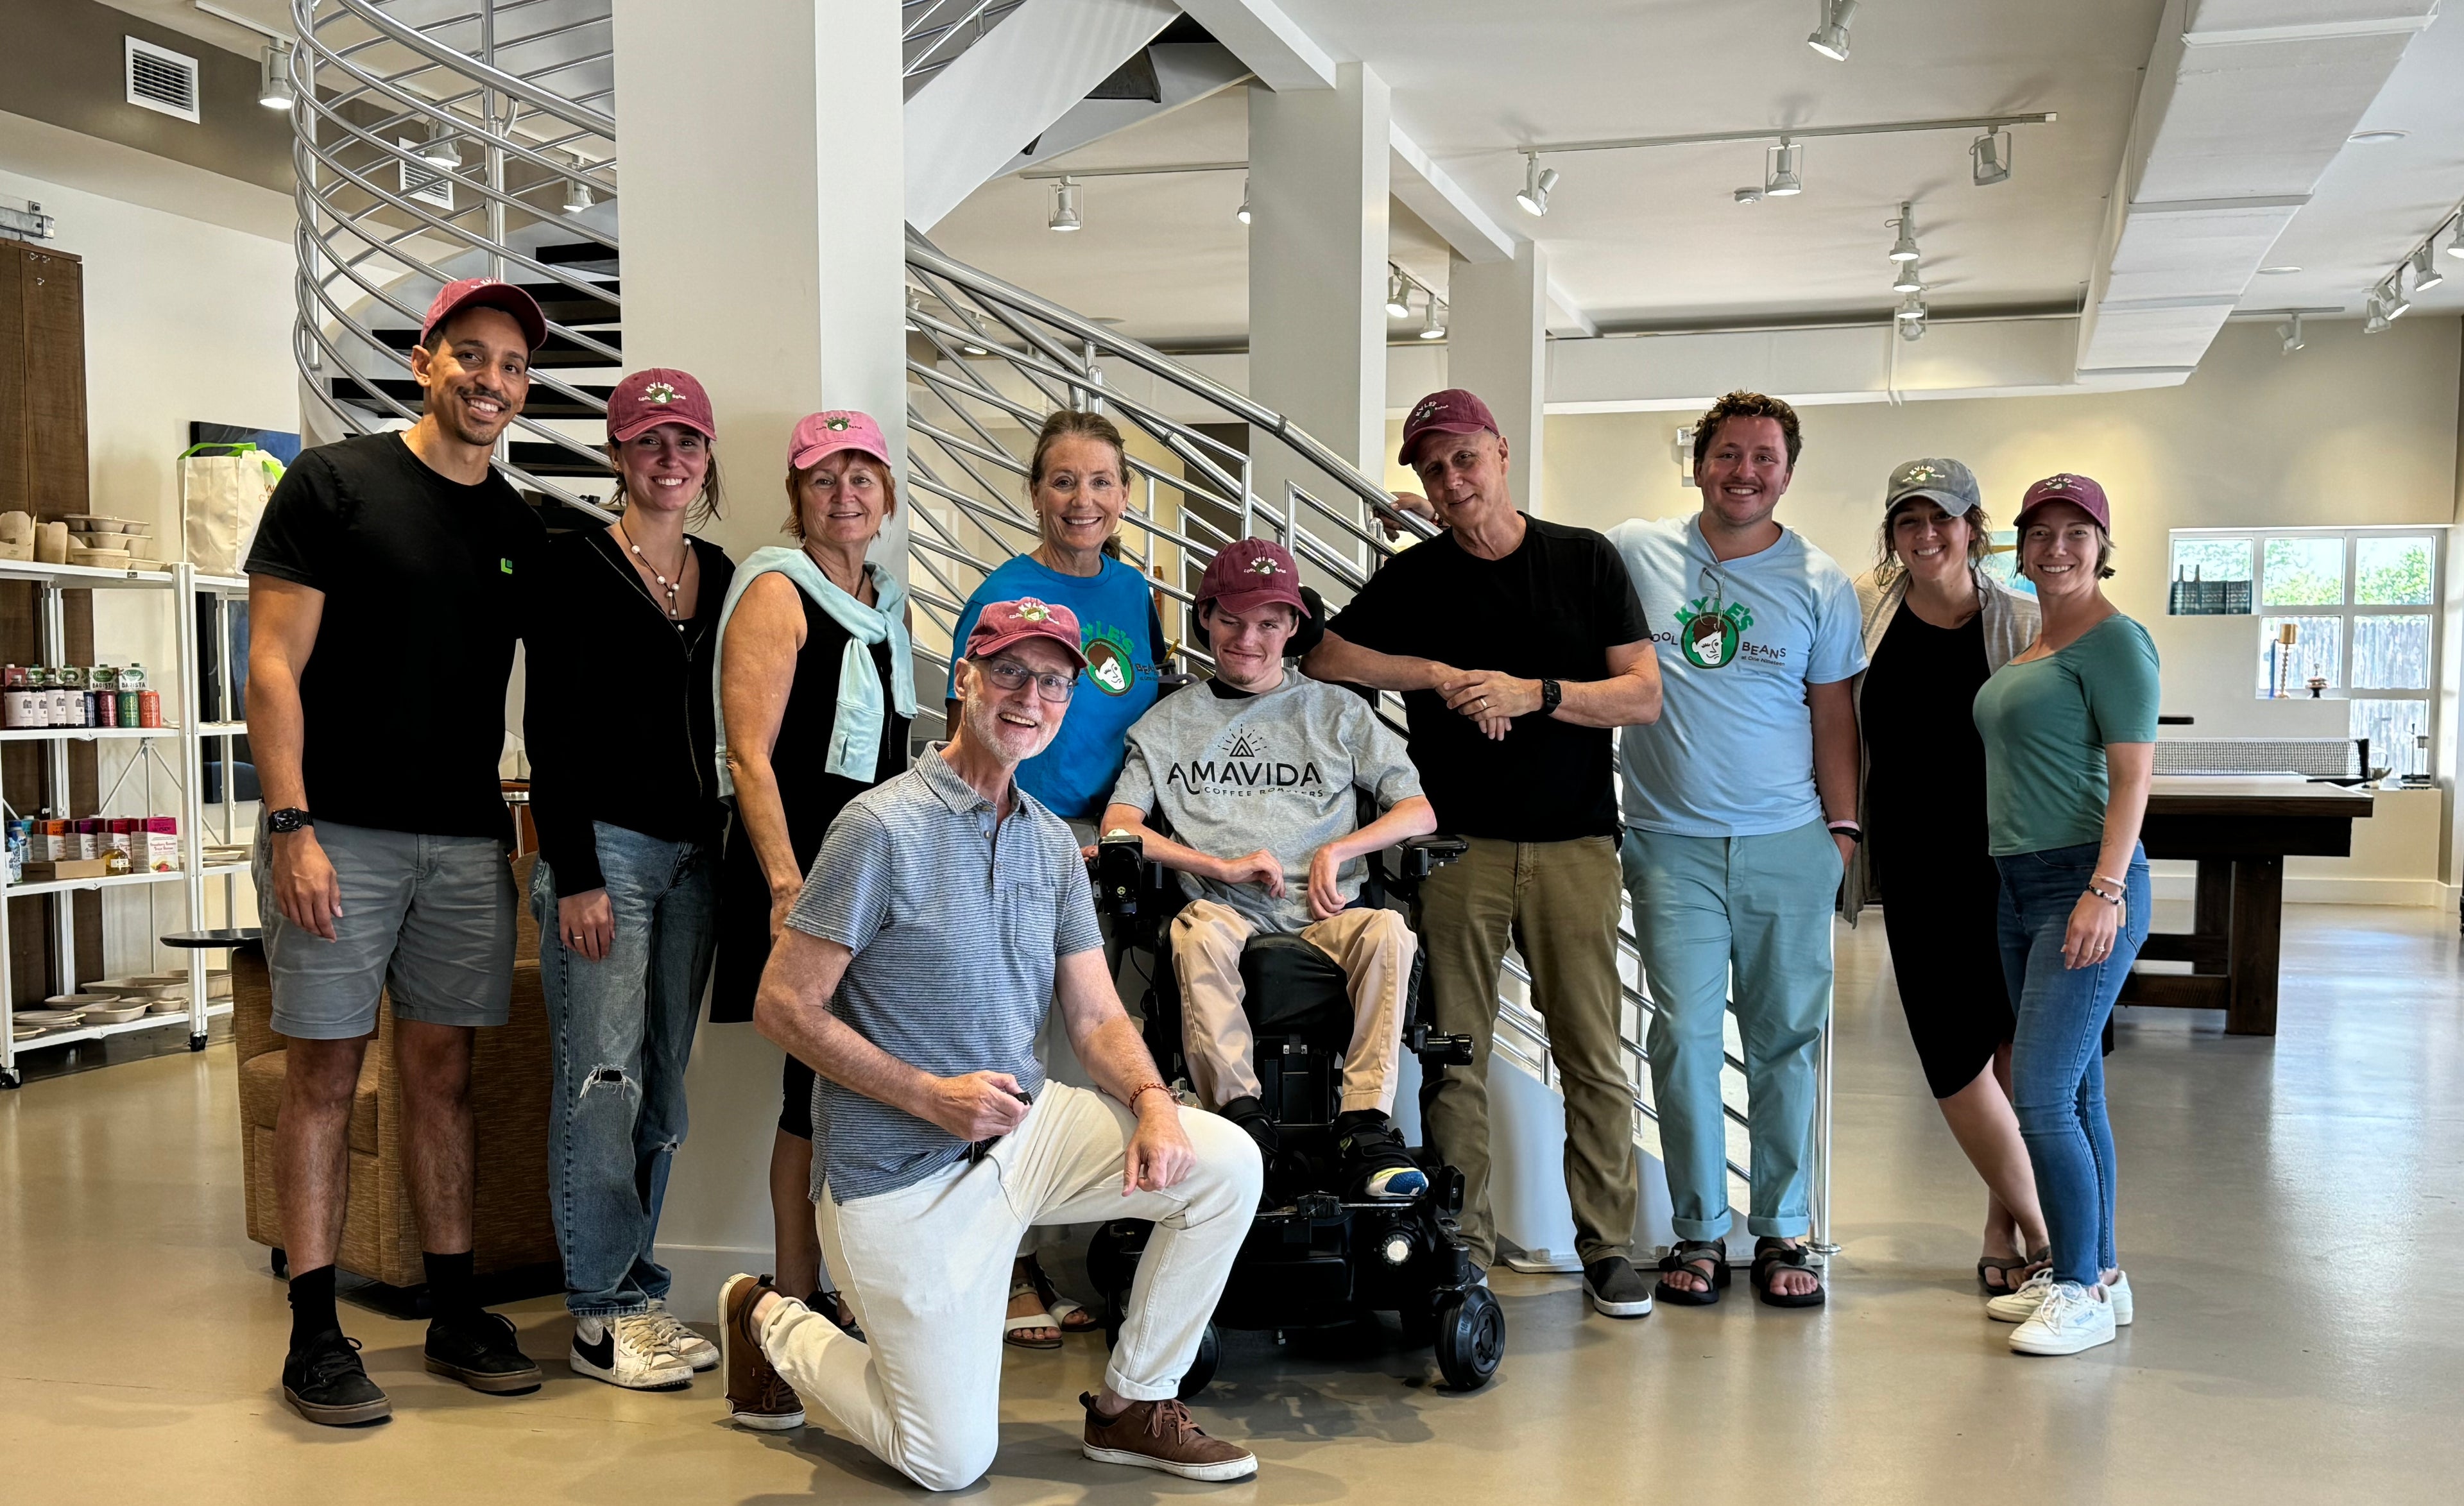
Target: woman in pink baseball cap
[
  {"x": 620, "y": 733},
  {"x": 816, "y": 690}
]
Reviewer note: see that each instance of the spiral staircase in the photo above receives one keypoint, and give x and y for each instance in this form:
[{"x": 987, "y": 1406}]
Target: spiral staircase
[{"x": 443, "y": 139}]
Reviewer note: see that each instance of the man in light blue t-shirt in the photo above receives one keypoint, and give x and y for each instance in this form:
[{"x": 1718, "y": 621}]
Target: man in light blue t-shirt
[{"x": 1740, "y": 814}]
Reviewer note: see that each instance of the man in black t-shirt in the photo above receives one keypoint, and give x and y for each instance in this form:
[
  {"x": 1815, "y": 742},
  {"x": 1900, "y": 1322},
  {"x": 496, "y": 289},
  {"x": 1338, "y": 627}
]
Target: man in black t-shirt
[
  {"x": 1515, "y": 751},
  {"x": 384, "y": 591}
]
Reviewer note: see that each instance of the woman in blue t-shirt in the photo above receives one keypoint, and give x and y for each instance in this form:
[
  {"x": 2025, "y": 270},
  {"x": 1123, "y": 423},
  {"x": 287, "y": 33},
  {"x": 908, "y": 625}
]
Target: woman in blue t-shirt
[
  {"x": 2070, "y": 744},
  {"x": 1078, "y": 487}
]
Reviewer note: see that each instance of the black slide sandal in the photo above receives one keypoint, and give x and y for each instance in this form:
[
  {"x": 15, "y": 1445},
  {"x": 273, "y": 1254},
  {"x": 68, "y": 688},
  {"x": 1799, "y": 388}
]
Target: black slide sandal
[
  {"x": 1771, "y": 1255},
  {"x": 2015, "y": 1268},
  {"x": 1689, "y": 1255}
]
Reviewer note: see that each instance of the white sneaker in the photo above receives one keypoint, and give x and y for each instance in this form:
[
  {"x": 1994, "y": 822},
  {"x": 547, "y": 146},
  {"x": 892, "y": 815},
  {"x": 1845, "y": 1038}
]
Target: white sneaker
[
  {"x": 2071, "y": 1317},
  {"x": 689, "y": 1346},
  {"x": 2017, "y": 1307},
  {"x": 627, "y": 1352}
]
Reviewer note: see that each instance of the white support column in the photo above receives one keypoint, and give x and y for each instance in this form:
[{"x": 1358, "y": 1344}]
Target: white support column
[
  {"x": 1317, "y": 270},
  {"x": 1497, "y": 345},
  {"x": 763, "y": 249}
]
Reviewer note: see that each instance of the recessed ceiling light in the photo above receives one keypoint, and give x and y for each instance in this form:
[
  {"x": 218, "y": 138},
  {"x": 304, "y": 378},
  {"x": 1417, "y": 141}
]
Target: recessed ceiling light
[
  {"x": 2278, "y": 272},
  {"x": 2378, "y": 138}
]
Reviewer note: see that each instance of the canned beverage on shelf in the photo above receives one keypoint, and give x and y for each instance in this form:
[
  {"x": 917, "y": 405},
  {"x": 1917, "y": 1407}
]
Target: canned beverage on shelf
[{"x": 149, "y": 708}]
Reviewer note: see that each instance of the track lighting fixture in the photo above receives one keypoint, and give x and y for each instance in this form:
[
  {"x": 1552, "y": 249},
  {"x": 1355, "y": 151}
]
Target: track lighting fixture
[
  {"x": 1784, "y": 176},
  {"x": 1904, "y": 249},
  {"x": 2290, "y": 332},
  {"x": 274, "y": 76},
  {"x": 1537, "y": 181},
  {"x": 2392, "y": 299},
  {"x": 2375, "y": 321},
  {"x": 1910, "y": 280},
  {"x": 1829, "y": 39},
  {"x": 1910, "y": 315},
  {"x": 1064, "y": 206},
  {"x": 577, "y": 196},
  {"x": 439, "y": 151},
  {"x": 1991, "y": 152},
  {"x": 1398, "y": 292},
  {"x": 2455, "y": 243},
  {"x": 1750, "y": 194},
  {"x": 2425, "y": 272},
  {"x": 1432, "y": 323},
  {"x": 1242, "y": 213}
]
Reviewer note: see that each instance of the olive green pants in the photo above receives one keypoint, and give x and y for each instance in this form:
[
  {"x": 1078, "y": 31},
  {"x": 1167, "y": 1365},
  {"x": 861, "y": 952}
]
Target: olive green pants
[{"x": 1556, "y": 903}]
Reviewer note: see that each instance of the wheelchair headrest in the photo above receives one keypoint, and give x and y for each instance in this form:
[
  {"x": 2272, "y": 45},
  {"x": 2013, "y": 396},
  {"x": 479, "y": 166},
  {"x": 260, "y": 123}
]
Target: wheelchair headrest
[{"x": 1307, "y": 637}]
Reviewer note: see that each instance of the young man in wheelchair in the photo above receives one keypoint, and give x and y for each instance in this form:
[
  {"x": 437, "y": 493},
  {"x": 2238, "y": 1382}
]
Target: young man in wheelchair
[{"x": 1257, "y": 774}]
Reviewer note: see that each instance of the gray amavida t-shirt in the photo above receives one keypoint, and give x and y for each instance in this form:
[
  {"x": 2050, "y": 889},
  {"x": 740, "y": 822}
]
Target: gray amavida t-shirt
[{"x": 1236, "y": 772}]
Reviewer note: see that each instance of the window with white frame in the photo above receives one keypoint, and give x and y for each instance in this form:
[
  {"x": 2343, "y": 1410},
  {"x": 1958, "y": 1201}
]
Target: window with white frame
[{"x": 2351, "y": 613}]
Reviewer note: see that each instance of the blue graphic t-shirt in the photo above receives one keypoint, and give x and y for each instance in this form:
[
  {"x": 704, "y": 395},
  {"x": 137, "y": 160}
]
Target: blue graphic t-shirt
[
  {"x": 1117, "y": 620},
  {"x": 1739, "y": 640}
]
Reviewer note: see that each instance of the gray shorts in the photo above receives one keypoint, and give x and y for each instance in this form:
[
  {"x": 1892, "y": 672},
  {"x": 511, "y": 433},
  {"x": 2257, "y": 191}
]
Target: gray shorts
[{"x": 428, "y": 917}]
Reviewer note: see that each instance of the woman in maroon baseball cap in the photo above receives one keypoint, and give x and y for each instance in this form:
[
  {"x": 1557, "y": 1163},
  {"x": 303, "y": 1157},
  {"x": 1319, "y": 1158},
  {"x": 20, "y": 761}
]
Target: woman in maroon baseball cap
[
  {"x": 626, "y": 891},
  {"x": 2070, "y": 741}
]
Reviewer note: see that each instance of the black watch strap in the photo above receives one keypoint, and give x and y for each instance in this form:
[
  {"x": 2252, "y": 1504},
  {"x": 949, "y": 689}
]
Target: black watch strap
[
  {"x": 290, "y": 818},
  {"x": 1550, "y": 694}
]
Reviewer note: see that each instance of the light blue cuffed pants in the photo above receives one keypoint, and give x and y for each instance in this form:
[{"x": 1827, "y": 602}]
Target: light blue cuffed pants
[{"x": 1760, "y": 906}]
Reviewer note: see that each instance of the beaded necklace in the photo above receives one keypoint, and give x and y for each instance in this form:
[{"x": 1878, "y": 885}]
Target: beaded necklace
[{"x": 665, "y": 584}]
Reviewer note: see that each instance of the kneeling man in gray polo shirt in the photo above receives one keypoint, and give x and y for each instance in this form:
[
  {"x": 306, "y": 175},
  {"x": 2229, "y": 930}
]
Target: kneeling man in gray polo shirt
[{"x": 945, "y": 913}]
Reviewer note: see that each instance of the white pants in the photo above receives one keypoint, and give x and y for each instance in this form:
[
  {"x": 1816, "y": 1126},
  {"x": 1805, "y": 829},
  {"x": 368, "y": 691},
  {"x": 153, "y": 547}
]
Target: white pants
[{"x": 926, "y": 1268}]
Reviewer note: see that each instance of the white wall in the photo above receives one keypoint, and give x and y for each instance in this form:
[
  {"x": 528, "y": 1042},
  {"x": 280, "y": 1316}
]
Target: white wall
[{"x": 185, "y": 320}]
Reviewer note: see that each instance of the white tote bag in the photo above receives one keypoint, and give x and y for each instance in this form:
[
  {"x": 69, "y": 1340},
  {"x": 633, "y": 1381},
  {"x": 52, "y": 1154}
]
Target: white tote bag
[{"x": 221, "y": 495}]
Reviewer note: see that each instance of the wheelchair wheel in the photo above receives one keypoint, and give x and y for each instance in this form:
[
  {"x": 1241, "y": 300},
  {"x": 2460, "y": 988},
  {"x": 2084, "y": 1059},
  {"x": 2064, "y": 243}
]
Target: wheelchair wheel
[{"x": 1471, "y": 1338}]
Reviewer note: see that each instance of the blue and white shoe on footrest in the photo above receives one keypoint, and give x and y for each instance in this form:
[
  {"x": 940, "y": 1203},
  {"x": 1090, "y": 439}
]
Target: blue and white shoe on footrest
[{"x": 1396, "y": 1184}]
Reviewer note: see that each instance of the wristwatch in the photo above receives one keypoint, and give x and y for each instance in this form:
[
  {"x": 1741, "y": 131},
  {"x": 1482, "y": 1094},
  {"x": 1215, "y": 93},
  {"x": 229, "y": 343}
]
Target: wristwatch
[
  {"x": 1550, "y": 694},
  {"x": 288, "y": 819}
]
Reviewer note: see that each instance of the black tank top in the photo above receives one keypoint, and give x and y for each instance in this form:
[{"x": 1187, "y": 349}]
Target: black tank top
[{"x": 811, "y": 796}]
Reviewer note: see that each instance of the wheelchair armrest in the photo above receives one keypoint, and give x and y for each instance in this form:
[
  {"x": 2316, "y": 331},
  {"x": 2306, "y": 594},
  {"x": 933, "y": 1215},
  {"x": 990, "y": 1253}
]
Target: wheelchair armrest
[{"x": 1423, "y": 856}]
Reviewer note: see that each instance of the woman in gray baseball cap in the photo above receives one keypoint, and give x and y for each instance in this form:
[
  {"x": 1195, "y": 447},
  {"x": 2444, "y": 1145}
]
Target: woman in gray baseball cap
[{"x": 1937, "y": 625}]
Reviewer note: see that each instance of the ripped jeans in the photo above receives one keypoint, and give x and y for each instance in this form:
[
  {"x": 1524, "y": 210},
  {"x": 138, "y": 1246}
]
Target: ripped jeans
[{"x": 624, "y": 1029}]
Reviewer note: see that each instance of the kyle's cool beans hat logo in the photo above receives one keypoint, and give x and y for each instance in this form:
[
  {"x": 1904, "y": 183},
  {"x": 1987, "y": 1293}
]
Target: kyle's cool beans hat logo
[{"x": 1710, "y": 625}]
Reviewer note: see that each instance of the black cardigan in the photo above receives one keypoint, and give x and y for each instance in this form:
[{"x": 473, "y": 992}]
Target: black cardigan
[{"x": 617, "y": 707}]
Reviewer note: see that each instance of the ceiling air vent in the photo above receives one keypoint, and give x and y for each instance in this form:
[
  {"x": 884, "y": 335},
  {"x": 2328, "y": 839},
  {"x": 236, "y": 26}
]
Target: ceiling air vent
[
  {"x": 428, "y": 185},
  {"x": 160, "y": 79}
]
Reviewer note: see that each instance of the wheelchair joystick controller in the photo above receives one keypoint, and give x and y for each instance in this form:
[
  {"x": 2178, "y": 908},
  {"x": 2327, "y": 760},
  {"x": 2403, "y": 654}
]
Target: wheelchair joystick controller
[
  {"x": 1437, "y": 1049},
  {"x": 1116, "y": 874}
]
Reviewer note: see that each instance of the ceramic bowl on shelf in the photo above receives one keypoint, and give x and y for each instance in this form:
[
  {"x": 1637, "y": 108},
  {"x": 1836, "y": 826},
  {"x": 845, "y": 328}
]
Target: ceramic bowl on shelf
[{"x": 119, "y": 1013}]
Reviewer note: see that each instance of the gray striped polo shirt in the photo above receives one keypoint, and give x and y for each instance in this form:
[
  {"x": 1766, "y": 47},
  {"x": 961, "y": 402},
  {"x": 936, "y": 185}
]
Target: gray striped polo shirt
[{"x": 955, "y": 921}]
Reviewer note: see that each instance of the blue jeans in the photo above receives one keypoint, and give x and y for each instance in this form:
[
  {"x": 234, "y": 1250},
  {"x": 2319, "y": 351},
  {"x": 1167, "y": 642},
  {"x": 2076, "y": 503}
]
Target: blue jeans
[
  {"x": 2057, "y": 1056},
  {"x": 1759, "y": 906},
  {"x": 624, "y": 1032}
]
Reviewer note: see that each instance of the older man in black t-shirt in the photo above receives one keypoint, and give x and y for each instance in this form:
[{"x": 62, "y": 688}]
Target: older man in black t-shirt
[
  {"x": 1518, "y": 645},
  {"x": 385, "y": 585}
]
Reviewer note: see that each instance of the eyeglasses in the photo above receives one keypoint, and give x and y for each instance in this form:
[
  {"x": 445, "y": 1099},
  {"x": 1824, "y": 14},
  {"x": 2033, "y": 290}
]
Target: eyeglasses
[{"x": 1010, "y": 675}]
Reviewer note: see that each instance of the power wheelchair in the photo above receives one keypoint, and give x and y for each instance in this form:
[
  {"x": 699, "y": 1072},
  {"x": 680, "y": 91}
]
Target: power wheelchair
[{"x": 1312, "y": 1259}]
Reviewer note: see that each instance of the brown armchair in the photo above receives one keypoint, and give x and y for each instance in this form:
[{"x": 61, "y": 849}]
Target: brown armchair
[{"x": 512, "y": 1073}]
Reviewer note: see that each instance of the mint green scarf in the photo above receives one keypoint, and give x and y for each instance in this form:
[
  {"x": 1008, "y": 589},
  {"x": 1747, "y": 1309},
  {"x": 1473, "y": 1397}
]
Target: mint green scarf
[{"x": 856, "y": 736}]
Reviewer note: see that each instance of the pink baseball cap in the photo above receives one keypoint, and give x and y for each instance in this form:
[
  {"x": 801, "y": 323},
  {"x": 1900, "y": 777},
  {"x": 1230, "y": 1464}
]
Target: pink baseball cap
[
  {"x": 486, "y": 292},
  {"x": 659, "y": 395},
  {"x": 833, "y": 430},
  {"x": 1452, "y": 412},
  {"x": 2078, "y": 491},
  {"x": 1001, "y": 624},
  {"x": 1251, "y": 573}
]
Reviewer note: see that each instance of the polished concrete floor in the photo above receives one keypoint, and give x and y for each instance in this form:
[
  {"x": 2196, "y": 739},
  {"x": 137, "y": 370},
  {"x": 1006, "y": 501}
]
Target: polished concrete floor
[{"x": 2291, "y": 1210}]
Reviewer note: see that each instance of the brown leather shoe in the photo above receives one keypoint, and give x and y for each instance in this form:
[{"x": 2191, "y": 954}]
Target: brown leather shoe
[
  {"x": 758, "y": 1396},
  {"x": 1160, "y": 1435}
]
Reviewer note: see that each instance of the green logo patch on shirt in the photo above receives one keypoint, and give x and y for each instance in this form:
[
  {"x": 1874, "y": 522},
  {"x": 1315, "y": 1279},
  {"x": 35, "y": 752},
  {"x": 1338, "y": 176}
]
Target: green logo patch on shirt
[{"x": 506, "y": 565}]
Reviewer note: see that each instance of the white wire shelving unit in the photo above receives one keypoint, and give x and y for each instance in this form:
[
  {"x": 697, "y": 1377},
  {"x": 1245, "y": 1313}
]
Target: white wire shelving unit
[{"x": 182, "y": 587}]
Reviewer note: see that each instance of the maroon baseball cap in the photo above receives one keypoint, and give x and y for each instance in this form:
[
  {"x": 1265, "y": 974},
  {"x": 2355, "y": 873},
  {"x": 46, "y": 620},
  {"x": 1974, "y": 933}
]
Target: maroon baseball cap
[
  {"x": 486, "y": 292},
  {"x": 1001, "y": 624},
  {"x": 1452, "y": 412},
  {"x": 2077, "y": 489},
  {"x": 1251, "y": 573},
  {"x": 659, "y": 395},
  {"x": 837, "y": 428}
]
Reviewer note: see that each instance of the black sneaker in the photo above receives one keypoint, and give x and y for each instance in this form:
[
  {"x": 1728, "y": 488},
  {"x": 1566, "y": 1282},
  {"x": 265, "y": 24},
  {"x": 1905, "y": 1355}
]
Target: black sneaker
[
  {"x": 482, "y": 1352},
  {"x": 325, "y": 1383},
  {"x": 1376, "y": 1164},
  {"x": 1614, "y": 1288},
  {"x": 1251, "y": 1116}
]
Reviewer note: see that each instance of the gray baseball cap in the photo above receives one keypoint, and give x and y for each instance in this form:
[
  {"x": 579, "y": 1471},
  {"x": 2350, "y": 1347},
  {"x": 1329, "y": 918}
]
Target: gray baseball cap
[{"x": 1948, "y": 484}]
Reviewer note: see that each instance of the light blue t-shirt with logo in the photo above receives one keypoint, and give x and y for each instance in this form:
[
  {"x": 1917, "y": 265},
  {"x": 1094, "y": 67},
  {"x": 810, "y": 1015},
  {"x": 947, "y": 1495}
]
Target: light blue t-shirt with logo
[
  {"x": 1739, "y": 641},
  {"x": 1122, "y": 641}
]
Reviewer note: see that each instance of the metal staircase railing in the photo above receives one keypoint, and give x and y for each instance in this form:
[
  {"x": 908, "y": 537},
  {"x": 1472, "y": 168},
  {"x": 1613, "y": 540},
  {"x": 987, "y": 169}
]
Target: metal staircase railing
[
  {"x": 522, "y": 90},
  {"x": 988, "y": 360}
]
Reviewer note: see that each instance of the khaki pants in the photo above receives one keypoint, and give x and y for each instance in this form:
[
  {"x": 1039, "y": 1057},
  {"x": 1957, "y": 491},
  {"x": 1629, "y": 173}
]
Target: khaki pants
[
  {"x": 1373, "y": 948},
  {"x": 1558, "y": 904},
  {"x": 927, "y": 1268}
]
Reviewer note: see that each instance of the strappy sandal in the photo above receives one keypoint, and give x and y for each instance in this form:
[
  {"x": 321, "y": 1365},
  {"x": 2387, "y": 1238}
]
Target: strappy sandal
[
  {"x": 2015, "y": 1268},
  {"x": 1772, "y": 1254},
  {"x": 1013, "y": 1327},
  {"x": 1690, "y": 1255},
  {"x": 1069, "y": 1316}
]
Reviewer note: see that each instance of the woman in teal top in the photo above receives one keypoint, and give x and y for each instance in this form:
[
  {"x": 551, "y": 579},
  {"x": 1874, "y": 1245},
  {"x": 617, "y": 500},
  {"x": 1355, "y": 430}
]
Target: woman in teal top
[{"x": 2070, "y": 732}]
